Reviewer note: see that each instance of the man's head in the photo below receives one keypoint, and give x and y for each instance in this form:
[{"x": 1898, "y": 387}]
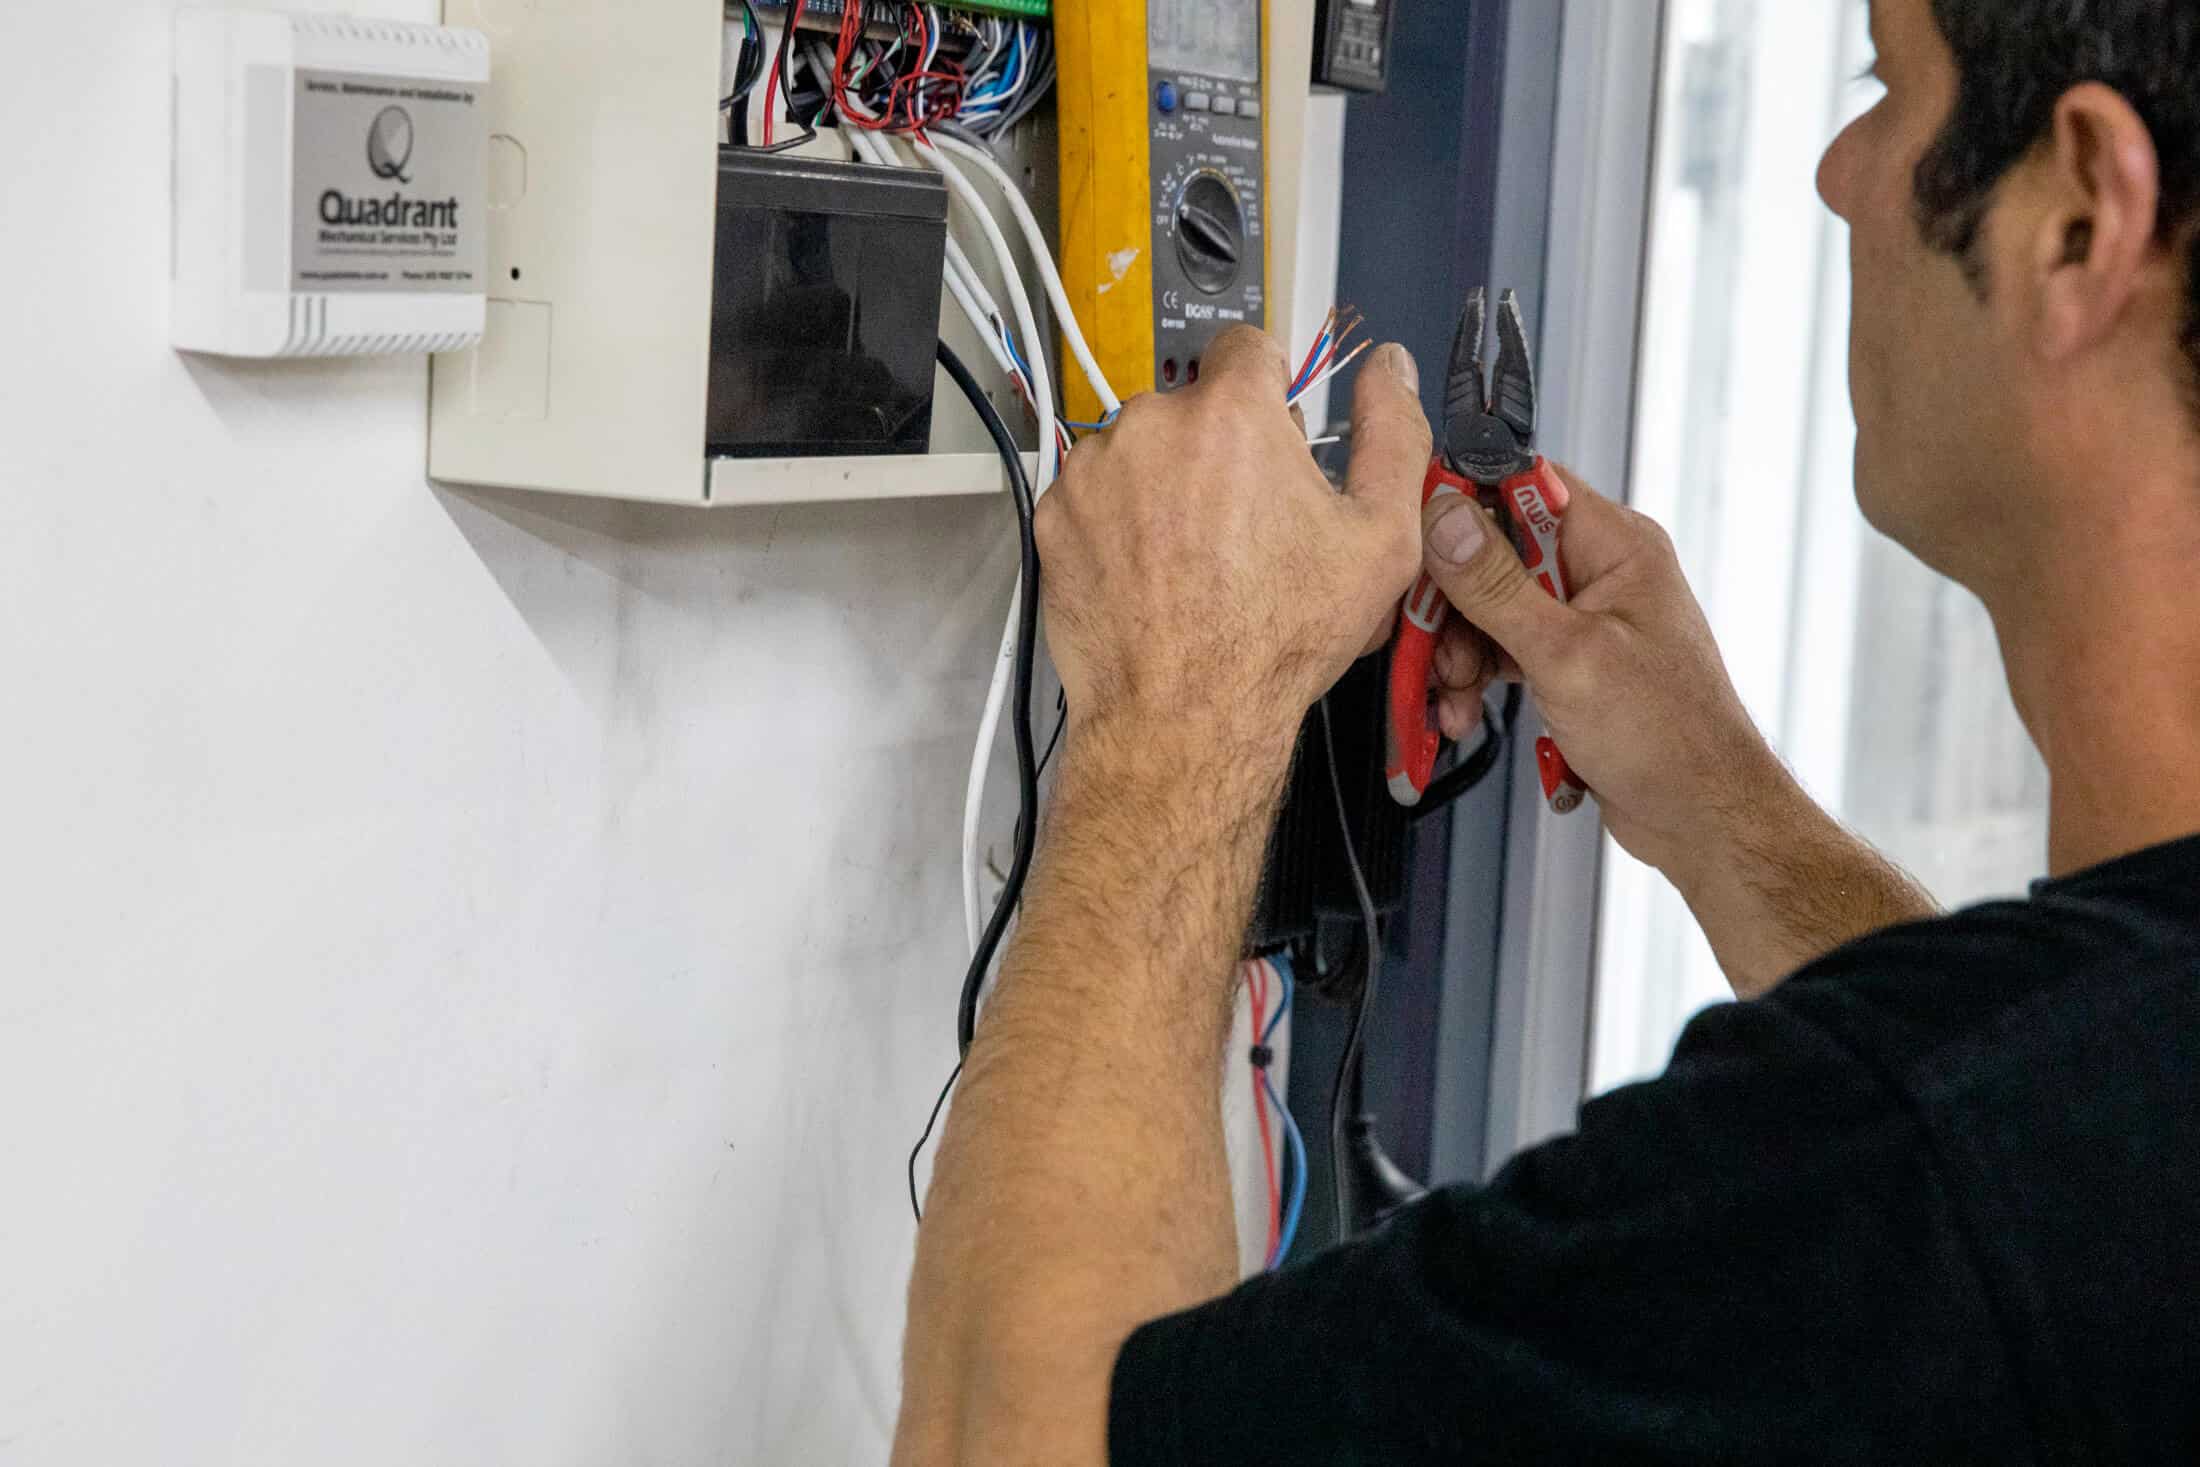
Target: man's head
[{"x": 2025, "y": 206}]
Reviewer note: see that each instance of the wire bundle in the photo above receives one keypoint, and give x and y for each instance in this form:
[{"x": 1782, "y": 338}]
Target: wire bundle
[
  {"x": 905, "y": 86},
  {"x": 981, "y": 72},
  {"x": 1011, "y": 68},
  {"x": 1284, "y": 1208},
  {"x": 749, "y": 68},
  {"x": 1328, "y": 356}
]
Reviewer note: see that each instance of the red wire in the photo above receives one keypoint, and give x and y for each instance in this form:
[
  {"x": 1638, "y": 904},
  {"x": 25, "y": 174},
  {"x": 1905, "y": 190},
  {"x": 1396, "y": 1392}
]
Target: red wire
[
  {"x": 1256, "y": 988},
  {"x": 851, "y": 31},
  {"x": 779, "y": 66}
]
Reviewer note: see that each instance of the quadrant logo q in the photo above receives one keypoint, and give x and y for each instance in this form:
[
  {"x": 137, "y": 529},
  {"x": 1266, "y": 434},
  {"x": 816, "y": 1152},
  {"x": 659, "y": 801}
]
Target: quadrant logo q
[{"x": 390, "y": 144}]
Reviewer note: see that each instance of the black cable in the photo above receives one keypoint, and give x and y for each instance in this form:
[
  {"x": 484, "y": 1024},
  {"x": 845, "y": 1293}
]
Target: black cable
[
  {"x": 1340, "y": 1114},
  {"x": 916, "y": 1208},
  {"x": 1061, "y": 722},
  {"x": 1027, "y": 643},
  {"x": 749, "y": 67},
  {"x": 782, "y": 72},
  {"x": 1027, "y": 763},
  {"x": 1476, "y": 766}
]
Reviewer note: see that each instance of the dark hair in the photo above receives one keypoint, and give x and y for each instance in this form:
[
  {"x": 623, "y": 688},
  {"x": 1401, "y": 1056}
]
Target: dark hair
[{"x": 2015, "y": 59}]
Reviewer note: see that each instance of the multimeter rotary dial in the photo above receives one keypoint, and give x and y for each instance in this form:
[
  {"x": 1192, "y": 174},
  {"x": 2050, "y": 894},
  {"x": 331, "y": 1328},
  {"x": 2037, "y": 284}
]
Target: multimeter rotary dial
[{"x": 1210, "y": 232}]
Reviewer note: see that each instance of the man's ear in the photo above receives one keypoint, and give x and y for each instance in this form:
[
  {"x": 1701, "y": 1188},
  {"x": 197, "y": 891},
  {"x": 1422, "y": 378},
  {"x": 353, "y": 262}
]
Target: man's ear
[{"x": 2095, "y": 224}]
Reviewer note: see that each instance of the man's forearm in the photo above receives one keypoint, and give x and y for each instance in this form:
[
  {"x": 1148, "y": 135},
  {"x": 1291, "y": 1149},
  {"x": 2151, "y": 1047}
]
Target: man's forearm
[
  {"x": 1082, "y": 1187},
  {"x": 1778, "y": 883}
]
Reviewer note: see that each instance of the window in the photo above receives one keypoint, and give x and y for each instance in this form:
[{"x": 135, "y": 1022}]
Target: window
[{"x": 1877, "y": 680}]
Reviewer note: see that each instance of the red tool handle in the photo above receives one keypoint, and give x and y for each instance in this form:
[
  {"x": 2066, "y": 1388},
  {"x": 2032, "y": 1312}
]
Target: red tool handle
[
  {"x": 1414, "y": 740},
  {"x": 1537, "y": 502}
]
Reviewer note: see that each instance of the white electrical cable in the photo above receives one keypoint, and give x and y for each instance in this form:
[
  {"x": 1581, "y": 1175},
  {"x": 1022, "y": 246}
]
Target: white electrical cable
[
  {"x": 989, "y": 725},
  {"x": 1328, "y": 372},
  {"x": 963, "y": 281},
  {"x": 1042, "y": 391},
  {"x": 1040, "y": 384},
  {"x": 1049, "y": 276},
  {"x": 976, "y": 315},
  {"x": 958, "y": 264}
]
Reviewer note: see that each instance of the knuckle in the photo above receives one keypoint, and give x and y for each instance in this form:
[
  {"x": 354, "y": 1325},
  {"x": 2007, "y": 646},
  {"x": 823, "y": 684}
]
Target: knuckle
[
  {"x": 1136, "y": 415},
  {"x": 1456, "y": 661},
  {"x": 1049, "y": 526},
  {"x": 1251, "y": 340},
  {"x": 1401, "y": 549},
  {"x": 1655, "y": 537}
]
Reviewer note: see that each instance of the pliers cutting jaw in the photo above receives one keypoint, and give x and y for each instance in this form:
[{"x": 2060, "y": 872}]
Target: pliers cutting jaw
[
  {"x": 1487, "y": 449},
  {"x": 1489, "y": 422}
]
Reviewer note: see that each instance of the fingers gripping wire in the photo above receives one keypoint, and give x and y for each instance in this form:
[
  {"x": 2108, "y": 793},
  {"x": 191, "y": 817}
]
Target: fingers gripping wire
[{"x": 1329, "y": 356}]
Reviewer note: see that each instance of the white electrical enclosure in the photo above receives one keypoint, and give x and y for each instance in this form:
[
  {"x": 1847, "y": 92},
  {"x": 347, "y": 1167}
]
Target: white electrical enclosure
[
  {"x": 329, "y": 185},
  {"x": 594, "y": 374},
  {"x": 603, "y": 174}
]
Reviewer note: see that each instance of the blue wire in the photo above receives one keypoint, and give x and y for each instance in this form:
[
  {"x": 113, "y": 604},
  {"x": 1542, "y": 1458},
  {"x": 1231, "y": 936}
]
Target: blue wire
[
  {"x": 1313, "y": 367},
  {"x": 981, "y": 101},
  {"x": 1295, "y": 1143},
  {"x": 1008, "y": 339}
]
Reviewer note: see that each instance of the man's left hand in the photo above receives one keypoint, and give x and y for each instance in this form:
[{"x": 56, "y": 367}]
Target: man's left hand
[{"x": 1201, "y": 571}]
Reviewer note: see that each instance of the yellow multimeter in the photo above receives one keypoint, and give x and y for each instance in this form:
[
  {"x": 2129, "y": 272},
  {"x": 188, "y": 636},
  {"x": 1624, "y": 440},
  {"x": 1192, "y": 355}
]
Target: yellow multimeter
[{"x": 1163, "y": 117}]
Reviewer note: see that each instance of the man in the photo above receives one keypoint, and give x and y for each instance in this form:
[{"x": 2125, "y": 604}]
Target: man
[{"x": 1934, "y": 1197}]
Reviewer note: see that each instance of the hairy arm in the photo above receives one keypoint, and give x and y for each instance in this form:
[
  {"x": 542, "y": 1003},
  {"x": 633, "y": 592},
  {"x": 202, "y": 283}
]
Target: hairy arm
[
  {"x": 1082, "y": 1189},
  {"x": 1204, "y": 585},
  {"x": 1777, "y": 883},
  {"x": 1630, "y": 681}
]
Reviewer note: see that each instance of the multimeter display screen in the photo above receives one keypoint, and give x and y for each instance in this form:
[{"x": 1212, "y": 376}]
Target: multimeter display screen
[{"x": 1218, "y": 38}]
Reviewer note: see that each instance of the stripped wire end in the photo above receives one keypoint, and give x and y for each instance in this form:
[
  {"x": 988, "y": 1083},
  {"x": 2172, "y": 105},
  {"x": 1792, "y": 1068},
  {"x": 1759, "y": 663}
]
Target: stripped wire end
[
  {"x": 1328, "y": 356},
  {"x": 1331, "y": 370}
]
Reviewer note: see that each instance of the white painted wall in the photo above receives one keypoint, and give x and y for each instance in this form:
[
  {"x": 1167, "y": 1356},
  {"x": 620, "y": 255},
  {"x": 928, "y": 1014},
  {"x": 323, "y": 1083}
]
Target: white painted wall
[{"x": 471, "y": 965}]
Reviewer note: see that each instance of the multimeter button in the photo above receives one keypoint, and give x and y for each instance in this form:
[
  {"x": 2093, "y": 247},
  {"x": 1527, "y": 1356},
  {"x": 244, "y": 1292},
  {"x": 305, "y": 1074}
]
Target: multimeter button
[
  {"x": 1165, "y": 96},
  {"x": 1248, "y": 108},
  {"x": 1198, "y": 102},
  {"x": 1227, "y": 106}
]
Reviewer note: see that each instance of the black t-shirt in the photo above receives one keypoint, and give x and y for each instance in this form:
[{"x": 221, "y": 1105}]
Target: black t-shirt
[{"x": 1934, "y": 1199}]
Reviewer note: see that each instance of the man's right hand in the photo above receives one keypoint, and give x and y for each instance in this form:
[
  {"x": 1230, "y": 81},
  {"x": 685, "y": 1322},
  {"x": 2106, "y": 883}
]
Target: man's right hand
[{"x": 1630, "y": 683}]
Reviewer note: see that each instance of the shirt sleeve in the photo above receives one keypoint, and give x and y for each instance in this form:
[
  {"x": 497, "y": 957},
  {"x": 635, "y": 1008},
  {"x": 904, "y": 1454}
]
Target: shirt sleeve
[{"x": 1750, "y": 1259}]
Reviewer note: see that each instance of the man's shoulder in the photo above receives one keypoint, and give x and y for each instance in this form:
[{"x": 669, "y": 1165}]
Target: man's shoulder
[
  {"x": 2049, "y": 1053},
  {"x": 1932, "y": 1005}
]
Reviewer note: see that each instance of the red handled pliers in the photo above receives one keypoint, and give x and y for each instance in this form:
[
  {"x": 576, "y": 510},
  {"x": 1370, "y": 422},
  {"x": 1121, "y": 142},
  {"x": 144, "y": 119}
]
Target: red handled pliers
[{"x": 1487, "y": 449}]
